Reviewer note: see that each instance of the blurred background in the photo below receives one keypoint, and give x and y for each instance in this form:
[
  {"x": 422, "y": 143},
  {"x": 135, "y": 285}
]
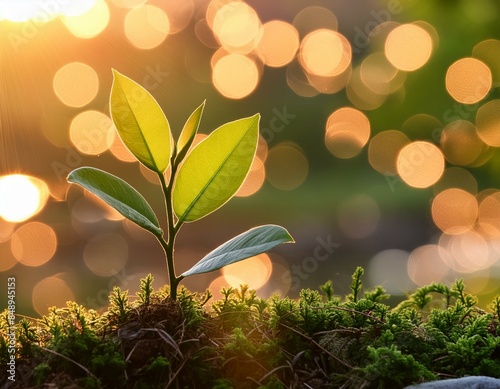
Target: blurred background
[{"x": 380, "y": 136}]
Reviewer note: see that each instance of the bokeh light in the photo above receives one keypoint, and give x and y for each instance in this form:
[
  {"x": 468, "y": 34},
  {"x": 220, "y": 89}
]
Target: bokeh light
[
  {"x": 488, "y": 123},
  {"x": 422, "y": 127},
  {"x": 91, "y": 23},
  {"x": 237, "y": 27},
  {"x": 315, "y": 17},
  {"x": 92, "y": 132},
  {"x": 347, "y": 132},
  {"x": 454, "y": 211},
  {"x": 76, "y": 84},
  {"x": 383, "y": 150},
  {"x": 235, "y": 76},
  {"x": 379, "y": 75},
  {"x": 460, "y": 143},
  {"x": 359, "y": 216},
  {"x": 456, "y": 177},
  {"x": 468, "y": 80},
  {"x": 106, "y": 254},
  {"x": 429, "y": 263},
  {"x": 254, "y": 272},
  {"x": 488, "y": 51},
  {"x": 21, "y": 197},
  {"x": 489, "y": 211},
  {"x": 360, "y": 95},
  {"x": 34, "y": 244},
  {"x": 420, "y": 164},
  {"x": 286, "y": 166},
  {"x": 408, "y": 47},
  {"x": 469, "y": 251},
  {"x": 51, "y": 292},
  {"x": 278, "y": 44},
  {"x": 325, "y": 53},
  {"x": 146, "y": 26}
]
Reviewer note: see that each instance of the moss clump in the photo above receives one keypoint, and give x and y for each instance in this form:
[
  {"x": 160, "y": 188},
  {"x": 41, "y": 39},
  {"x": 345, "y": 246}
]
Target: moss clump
[{"x": 242, "y": 341}]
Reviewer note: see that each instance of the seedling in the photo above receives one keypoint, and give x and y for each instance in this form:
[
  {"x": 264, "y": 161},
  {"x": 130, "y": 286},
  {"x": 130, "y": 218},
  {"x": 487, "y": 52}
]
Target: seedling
[{"x": 201, "y": 180}]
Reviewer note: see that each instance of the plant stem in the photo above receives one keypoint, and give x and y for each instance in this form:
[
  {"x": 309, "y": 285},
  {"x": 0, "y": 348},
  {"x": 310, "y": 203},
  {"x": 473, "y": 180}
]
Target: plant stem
[{"x": 173, "y": 228}]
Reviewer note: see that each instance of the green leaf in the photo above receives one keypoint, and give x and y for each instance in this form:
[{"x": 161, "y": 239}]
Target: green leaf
[
  {"x": 141, "y": 123},
  {"x": 215, "y": 169},
  {"x": 252, "y": 242},
  {"x": 188, "y": 133},
  {"x": 119, "y": 195}
]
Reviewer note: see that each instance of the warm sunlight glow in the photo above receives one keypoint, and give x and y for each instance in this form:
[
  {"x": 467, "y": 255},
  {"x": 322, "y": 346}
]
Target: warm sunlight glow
[
  {"x": 76, "y": 84},
  {"x": 254, "y": 272},
  {"x": 420, "y": 164},
  {"x": 147, "y": 26},
  {"x": 92, "y": 132},
  {"x": 91, "y": 23},
  {"x": 468, "y": 80},
  {"x": 235, "y": 76},
  {"x": 34, "y": 244},
  {"x": 21, "y": 197},
  {"x": 42, "y": 11},
  {"x": 408, "y": 47}
]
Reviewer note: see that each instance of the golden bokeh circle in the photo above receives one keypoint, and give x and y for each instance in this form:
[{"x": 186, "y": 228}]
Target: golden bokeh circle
[
  {"x": 383, "y": 150},
  {"x": 488, "y": 123},
  {"x": 147, "y": 26},
  {"x": 278, "y": 44},
  {"x": 408, "y": 47},
  {"x": 235, "y": 76},
  {"x": 347, "y": 132},
  {"x": 468, "y": 80},
  {"x": 92, "y": 132},
  {"x": 76, "y": 84},
  {"x": 454, "y": 211},
  {"x": 420, "y": 164},
  {"x": 34, "y": 244}
]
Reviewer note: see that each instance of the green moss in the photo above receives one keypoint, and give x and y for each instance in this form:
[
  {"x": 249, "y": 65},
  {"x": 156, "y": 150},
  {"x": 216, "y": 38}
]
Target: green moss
[{"x": 243, "y": 341}]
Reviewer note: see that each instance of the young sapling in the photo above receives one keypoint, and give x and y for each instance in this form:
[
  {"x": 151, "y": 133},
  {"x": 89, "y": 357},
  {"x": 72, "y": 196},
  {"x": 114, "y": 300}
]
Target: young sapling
[{"x": 201, "y": 180}]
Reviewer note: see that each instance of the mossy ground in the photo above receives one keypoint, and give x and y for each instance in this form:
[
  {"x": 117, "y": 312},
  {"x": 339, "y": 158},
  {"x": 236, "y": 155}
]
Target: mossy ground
[{"x": 242, "y": 341}]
